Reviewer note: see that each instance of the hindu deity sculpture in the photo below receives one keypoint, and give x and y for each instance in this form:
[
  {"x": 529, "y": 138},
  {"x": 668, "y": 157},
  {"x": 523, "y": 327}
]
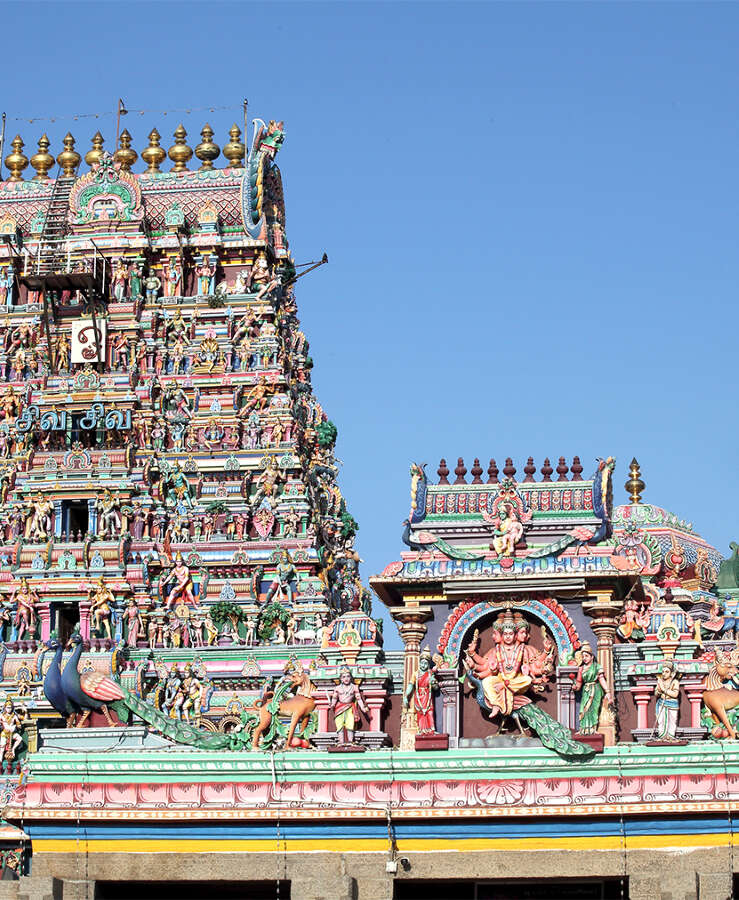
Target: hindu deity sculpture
[
  {"x": 511, "y": 667},
  {"x": 182, "y": 585},
  {"x": 11, "y": 738},
  {"x": 133, "y": 622},
  {"x": 172, "y": 274},
  {"x": 120, "y": 279},
  {"x": 633, "y": 621},
  {"x": 38, "y": 525},
  {"x": 25, "y": 619},
  {"x": 508, "y": 531},
  {"x": 152, "y": 284},
  {"x": 102, "y": 602},
  {"x": 262, "y": 280},
  {"x": 285, "y": 575},
  {"x": 135, "y": 277},
  {"x": 591, "y": 683},
  {"x": 258, "y": 397},
  {"x": 180, "y": 484},
  {"x": 346, "y": 699},
  {"x": 109, "y": 518},
  {"x": 421, "y": 691},
  {"x": 667, "y": 693},
  {"x": 206, "y": 274}
]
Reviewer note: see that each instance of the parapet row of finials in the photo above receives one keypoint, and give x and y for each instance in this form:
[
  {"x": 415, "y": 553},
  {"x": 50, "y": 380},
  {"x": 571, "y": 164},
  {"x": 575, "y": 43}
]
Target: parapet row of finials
[
  {"x": 509, "y": 471},
  {"x": 207, "y": 151}
]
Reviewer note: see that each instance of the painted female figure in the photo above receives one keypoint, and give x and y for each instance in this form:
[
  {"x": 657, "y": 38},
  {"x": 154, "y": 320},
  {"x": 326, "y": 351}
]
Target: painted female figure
[
  {"x": 421, "y": 689},
  {"x": 592, "y": 683},
  {"x": 134, "y": 623},
  {"x": 120, "y": 277}
]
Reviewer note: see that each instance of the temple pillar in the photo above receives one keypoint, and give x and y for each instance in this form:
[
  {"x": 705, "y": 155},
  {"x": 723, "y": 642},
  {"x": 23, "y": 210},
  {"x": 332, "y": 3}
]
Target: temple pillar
[
  {"x": 604, "y": 610},
  {"x": 412, "y": 631},
  {"x": 85, "y": 619},
  {"x": 641, "y": 694},
  {"x": 566, "y": 710},
  {"x": 44, "y": 614},
  {"x": 450, "y": 689},
  {"x": 694, "y": 691}
]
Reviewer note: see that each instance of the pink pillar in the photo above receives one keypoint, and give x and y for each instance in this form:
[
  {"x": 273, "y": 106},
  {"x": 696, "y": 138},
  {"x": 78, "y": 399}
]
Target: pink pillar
[
  {"x": 44, "y": 614},
  {"x": 322, "y": 710},
  {"x": 641, "y": 694},
  {"x": 375, "y": 702},
  {"x": 694, "y": 691},
  {"x": 85, "y": 619}
]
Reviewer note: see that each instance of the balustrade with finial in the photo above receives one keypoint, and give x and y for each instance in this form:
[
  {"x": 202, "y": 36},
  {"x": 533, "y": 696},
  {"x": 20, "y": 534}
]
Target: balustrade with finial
[
  {"x": 42, "y": 161},
  {"x": 95, "y": 153},
  {"x": 16, "y": 162},
  {"x": 492, "y": 472},
  {"x": 509, "y": 470},
  {"x": 69, "y": 159},
  {"x": 476, "y": 472},
  {"x": 529, "y": 469},
  {"x": 460, "y": 472},
  {"x": 562, "y": 469},
  {"x": 154, "y": 155},
  {"x": 207, "y": 151},
  {"x": 234, "y": 151},
  {"x": 443, "y": 472},
  {"x": 179, "y": 152},
  {"x": 125, "y": 155},
  {"x": 546, "y": 470}
]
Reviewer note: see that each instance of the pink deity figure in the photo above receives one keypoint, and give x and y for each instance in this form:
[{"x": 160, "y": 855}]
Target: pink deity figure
[
  {"x": 206, "y": 276},
  {"x": 172, "y": 274},
  {"x": 182, "y": 590},
  {"x": 346, "y": 699},
  {"x": 134, "y": 623},
  {"x": 25, "y": 616},
  {"x": 3, "y": 285},
  {"x": 421, "y": 691}
]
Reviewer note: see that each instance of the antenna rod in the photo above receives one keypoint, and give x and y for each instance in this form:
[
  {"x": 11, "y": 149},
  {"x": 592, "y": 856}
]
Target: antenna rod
[
  {"x": 246, "y": 131},
  {"x": 2, "y": 147},
  {"x": 121, "y": 112},
  {"x": 321, "y": 262}
]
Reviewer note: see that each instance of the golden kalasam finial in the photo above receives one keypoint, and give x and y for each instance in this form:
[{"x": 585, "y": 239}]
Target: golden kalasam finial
[
  {"x": 207, "y": 151},
  {"x": 95, "y": 154},
  {"x": 154, "y": 155},
  {"x": 179, "y": 152},
  {"x": 16, "y": 161},
  {"x": 69, "y": 159},
  {"x": 634, "y": 486},
  {"x": 125, "y": 154},
  {"x": 234, "y": 149},
  {"x": 43, "y": 160}
]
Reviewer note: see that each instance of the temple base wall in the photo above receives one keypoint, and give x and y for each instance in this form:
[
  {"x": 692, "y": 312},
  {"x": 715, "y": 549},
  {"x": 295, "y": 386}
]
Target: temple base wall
[{"x": 703, "y": 874}]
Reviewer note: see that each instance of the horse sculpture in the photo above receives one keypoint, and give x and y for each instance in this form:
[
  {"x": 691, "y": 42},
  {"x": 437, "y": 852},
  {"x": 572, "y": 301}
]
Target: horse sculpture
[
  {"x": 719, "y": 699},
  {"x": 293, "y": 698}
]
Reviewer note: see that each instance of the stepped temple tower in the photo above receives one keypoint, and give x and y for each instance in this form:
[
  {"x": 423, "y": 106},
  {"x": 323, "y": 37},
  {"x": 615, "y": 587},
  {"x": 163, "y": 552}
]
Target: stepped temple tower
[{"x": 196, "y": 700}]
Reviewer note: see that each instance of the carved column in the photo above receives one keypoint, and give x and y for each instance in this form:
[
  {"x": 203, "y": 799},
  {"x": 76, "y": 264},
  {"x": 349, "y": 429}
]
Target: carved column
[
  {"x": 44, "y": 613},
  {"x": 85, "y": 619},
  {"x": 450, "y": 690},
  {"x": 641, "y": 694},
  {"x": 604, "y": 610},
  {"x": 412, "y": 631},
  {"x": 566, "y": 711}
]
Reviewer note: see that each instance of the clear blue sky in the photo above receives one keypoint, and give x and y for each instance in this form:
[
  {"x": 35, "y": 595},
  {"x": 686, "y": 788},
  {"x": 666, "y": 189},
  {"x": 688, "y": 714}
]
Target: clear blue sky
[{"x": 530, "y": 210}]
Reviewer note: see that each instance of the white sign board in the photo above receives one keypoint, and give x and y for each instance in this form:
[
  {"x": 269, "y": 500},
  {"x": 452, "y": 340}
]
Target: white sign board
[{"x": 84, "y": 346}]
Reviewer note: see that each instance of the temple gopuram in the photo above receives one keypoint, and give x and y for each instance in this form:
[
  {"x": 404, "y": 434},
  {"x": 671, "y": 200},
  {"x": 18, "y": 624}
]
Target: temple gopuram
[{"x": 196, "y": 699}]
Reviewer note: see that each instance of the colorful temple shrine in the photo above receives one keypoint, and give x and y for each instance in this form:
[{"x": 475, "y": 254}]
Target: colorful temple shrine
[{"x": 196, "y": 700}]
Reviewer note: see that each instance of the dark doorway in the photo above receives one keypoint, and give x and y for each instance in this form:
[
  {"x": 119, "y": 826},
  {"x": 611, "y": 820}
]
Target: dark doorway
[
  {"x": 67, "y": 617},
  {"x": 192, "y": 890},
  {"x": 584, "y": 889},
  {"x": 75, "y": 517}
]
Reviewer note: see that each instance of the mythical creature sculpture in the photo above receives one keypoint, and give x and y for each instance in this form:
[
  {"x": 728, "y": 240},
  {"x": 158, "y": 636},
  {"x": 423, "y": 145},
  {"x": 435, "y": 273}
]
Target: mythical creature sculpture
[{"x": 292, "y": 698}]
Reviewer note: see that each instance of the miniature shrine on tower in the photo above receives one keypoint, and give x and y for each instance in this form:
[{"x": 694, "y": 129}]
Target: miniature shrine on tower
[{"x": 195, "y": 691}]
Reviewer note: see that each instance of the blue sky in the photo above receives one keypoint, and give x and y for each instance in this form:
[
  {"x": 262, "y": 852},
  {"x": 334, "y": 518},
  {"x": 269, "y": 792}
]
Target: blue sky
[{"x": 530, "y": 212}]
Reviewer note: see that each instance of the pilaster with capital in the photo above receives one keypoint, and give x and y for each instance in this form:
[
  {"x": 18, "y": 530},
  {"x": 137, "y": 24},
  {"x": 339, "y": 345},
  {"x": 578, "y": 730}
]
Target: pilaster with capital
[
  {"x": 412, "y": 630},
  {"x": 604, "y": 611}
]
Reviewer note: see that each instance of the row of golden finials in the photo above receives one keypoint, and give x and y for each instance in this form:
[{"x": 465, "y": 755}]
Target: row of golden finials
[{"x": 154, "y": 155}]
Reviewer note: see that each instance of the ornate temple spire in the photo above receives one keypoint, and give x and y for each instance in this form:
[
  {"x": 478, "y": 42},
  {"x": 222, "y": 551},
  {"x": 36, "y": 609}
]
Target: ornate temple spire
[{"x": 634, "y": 486}]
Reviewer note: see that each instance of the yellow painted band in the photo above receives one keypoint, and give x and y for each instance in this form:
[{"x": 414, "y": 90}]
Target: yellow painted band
[{"x": 415, "y": 845}]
